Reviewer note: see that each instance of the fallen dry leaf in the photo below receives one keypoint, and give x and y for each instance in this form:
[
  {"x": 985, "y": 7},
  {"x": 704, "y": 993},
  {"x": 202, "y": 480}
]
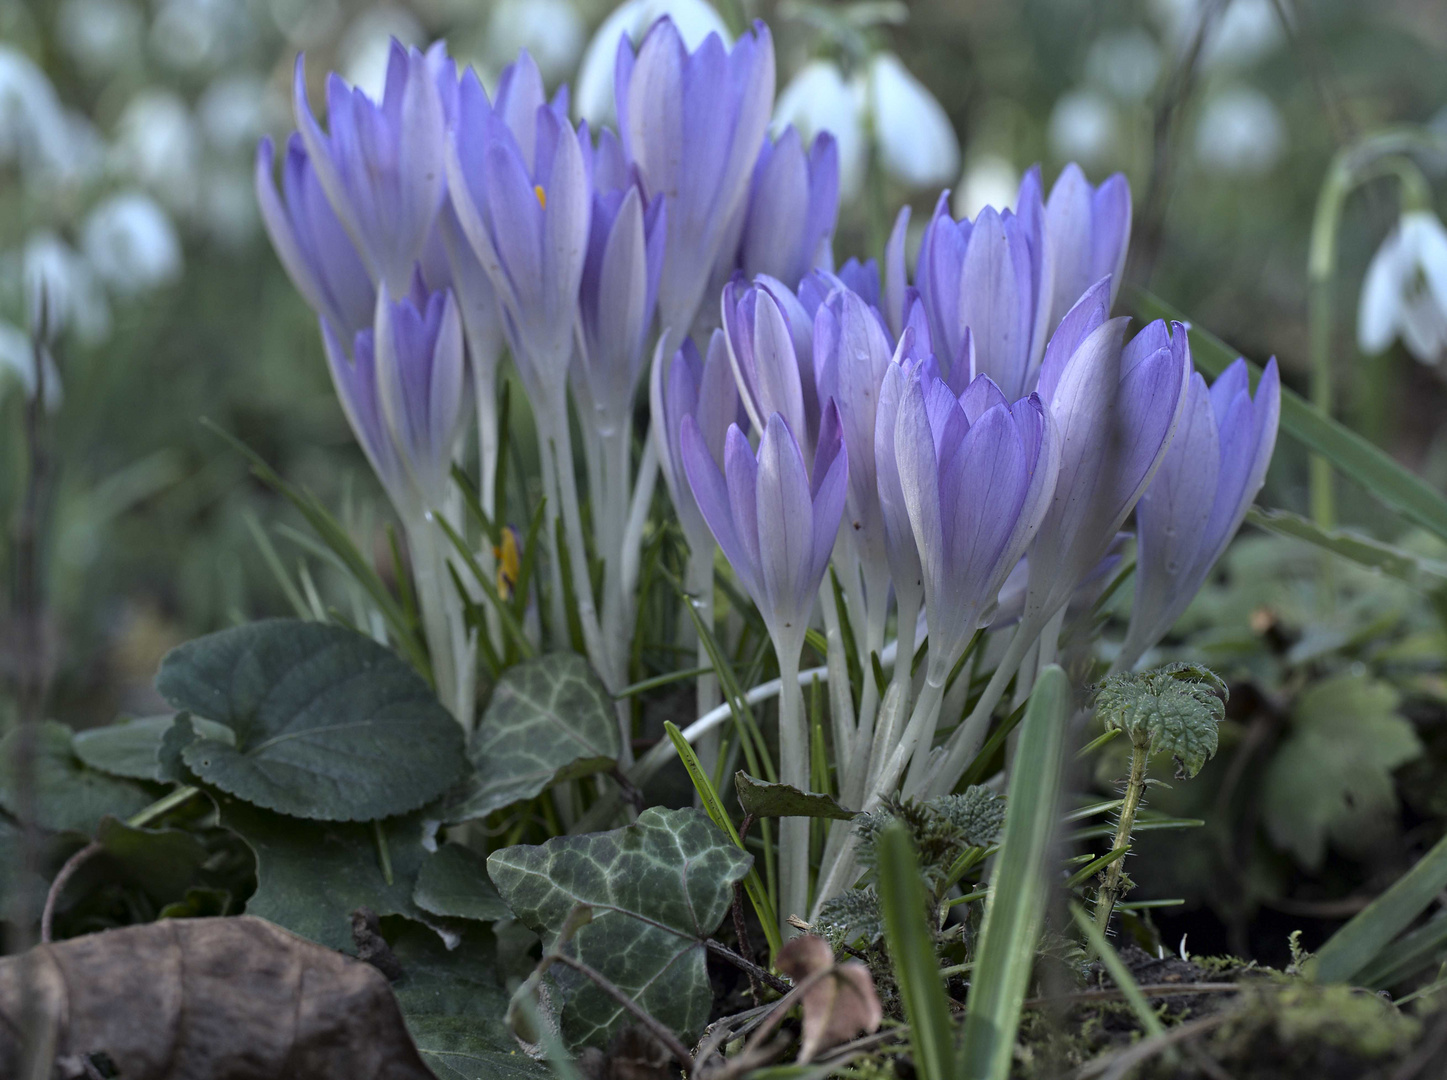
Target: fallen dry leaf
[
  {"x": 206, "y": 999},
  {"x": 840, "y": 1001}
]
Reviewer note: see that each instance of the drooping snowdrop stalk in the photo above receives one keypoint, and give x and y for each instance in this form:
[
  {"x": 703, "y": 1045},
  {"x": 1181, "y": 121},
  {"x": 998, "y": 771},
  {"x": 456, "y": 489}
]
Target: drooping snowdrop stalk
[
  {"x": 1199, "y": 497},
  {"x": 776, "y": 520},
  {"x": 355, "y": 227},
  {"x": 1116, "y": 406}
]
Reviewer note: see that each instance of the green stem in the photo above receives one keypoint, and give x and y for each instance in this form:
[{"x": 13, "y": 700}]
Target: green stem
[{"x": 1114, "y": 886}]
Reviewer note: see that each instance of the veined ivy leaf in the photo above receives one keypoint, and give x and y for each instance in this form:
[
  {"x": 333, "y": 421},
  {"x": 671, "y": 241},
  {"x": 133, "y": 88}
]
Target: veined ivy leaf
[
  {"x": 130, "y": 748},
  {"x": 453, "y": 882},
  {"x": 310, "y": 876},
  {"x": 1332, "y": 776},
  {"x": 549, "y": 720},
  {"x": 1175, "y": 709},
  {"x": 657, "y": 889},
  {"x": 68, "y": 796},
  {"x": 328, "y": 724},
  {"x": 763, "y": 799}
]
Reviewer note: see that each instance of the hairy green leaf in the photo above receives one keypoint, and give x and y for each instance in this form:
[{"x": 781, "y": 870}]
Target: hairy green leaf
[
  {"x": 453, "y": 882},
  {"x": 131, "y": 748},
  {"x": 1175, "y": 709},
  {"x": 310, "y": 876},
  {"x": 657, "y": 889},
  {"x": 850, "y": 916},
  {"x": 763, "y": 799},
  {"x": 68, "y": 796},
  {"x": 1332, "y": 776},
  {"x": 328, "y": 724},
  {"x": 549, "y": 720}
]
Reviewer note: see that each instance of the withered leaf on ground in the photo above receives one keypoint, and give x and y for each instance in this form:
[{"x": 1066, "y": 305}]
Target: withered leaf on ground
[
  {"x": 840, "y": 1002},
  {"x": 209, "y": 999}
]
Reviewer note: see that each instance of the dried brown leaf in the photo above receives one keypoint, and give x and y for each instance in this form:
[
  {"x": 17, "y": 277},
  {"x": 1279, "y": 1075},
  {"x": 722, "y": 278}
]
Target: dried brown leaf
[
  {"x": 839, "y": 1001},
  {"x": 208, "y": 999}
]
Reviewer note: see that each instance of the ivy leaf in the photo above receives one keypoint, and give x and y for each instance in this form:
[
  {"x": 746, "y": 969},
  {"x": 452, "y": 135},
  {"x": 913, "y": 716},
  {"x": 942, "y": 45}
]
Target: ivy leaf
[
  {"x": 657, "y": 889},
  {"x": 310, "y": 876},
  {"x": 131, "y": 748},
  {"x": 453, "y": 883},
  {"x": 763, "y": 799},
  {"x": 68, "y": 796},
  {"x": 1176, "y": 709},
  {"x": 328, "y": 724},
  {"x": 549, "y": 720},
  {"x": 1332, "y": 776}
]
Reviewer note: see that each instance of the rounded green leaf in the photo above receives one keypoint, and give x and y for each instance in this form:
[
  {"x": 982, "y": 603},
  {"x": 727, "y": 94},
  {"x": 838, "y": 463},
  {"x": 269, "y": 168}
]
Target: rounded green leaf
[
  {"x": 453, "y": 882},
  {"x": 68, "y": 796},
  {"x": 549, "y": 720},
  {"x": 327, "y": 723},
  {"x": 130, "y": 748}
]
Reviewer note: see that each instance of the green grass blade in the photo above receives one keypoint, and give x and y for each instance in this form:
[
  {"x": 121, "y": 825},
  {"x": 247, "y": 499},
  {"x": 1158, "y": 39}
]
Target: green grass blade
[
  {"x": 912, "y": 949},
  {"x": 1408, "y": 955},
  {"x": 713, "y": 806},
  {"x": 1015, "y": 911},
  {"x": 1362, "y": 940},
  {"x": 1352, "y": 455},
  {"x": 1362, "y": 550},
  {"x": 1118, "y": 972}
]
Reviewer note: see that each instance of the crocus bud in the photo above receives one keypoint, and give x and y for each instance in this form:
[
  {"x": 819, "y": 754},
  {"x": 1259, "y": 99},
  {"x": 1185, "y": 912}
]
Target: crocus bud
[
  {"x": 793, "y": 205},
  {"x": 1087, "y": 232}
]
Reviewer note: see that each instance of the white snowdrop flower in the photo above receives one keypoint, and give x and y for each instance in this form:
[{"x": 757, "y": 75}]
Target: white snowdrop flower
[
  {"x": 1125, "y": 62},
  {"x": 73, "y": 295},
  {"x": 989, "y": 180},
  {"x": 35, "y": 132},
  {"x": 593, "y": 88},
  {"x": 17, "y": 361},
  {"x": 819, "y": 99},
  {"x": 1084, "y": 127},
  {"x": 916, "y": 143},
  {"x": 550, "y": 30},
  {"x": 193, "y": 34},
  {"x": 1239, "y": 132},
  {"x": 99, "y": 35},
  {"x": 131, "y": 243},
  {"x": 157, "y": 145},
  {"x": 1404, "y": 293},
  {"x": 366, "y": 45},
  {"x": 235, "y": 111},
  {"x": 1247, "y": 31}
]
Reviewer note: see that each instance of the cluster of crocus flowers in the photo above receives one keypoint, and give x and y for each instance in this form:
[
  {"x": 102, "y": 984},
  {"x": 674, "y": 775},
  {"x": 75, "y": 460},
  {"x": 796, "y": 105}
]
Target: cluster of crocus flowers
[{"x": 961, "y": 441}]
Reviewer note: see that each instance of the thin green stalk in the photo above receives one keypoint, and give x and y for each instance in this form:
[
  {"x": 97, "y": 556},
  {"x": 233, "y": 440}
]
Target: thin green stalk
[{"x": 1113, "y": 888}]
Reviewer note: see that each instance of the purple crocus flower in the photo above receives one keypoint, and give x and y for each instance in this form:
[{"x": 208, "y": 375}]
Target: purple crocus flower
[
  {"x": 421, "y": 379},
  {"x": 1116, "y": 406},
  {"x": 989, "y": 276},
  {"x": 355, "y": 379},
  {"x": 770, "y": 342},
  {"x": 792, "y": 207},
  {"x": 701, "y": 388},
  {"x": 1213, "y": 470},
  {"x": 381, "y": 163},
  {"x": 619, "y": 291},
  {"x": 311, "y": 241},
  {"x": 1087, "y": 232},
  {"x": 525, "y": 210},
  {"x": 977, "y": 474},
  {"x": 775, "y": 523},
  {"x": 851, "y": 355},
  {"x": 693, "y": 124}
]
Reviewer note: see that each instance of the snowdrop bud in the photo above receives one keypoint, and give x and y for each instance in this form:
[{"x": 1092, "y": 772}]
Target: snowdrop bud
[
  {"x": 1240, "y": 132},
  {"x": 131, "y": 243},
  {"x": 550, "y": 31},
  {"x": 917, "y": 144},
  {"x": 819, "y": 99},
  {"x": 1084, "y": 127},
  {"x": 1404, "y": 293}
]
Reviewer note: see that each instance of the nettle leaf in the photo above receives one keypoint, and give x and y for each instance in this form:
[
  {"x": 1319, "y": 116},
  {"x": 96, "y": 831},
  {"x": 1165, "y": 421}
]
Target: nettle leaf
[
  {"x": 1332, "y": 776},
  {"x": 310, "y": 876},
  {"x": 68, "y": 796},
  {"x": 453, "y": 882},
  {"x": 657, "y": 889},
  {"x": 549, "y": 720},
  {"x": 1175, "y": 709},
  {"x": 328, "y": 724},
  {"x": 131, "y": 748},
  {"x": 763, "y": 799}
]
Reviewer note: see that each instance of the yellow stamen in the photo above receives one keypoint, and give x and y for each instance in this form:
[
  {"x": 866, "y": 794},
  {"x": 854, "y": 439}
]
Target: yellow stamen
[
  {"x": 509, "y": 563},
  {"x": 542, "y": 195}
]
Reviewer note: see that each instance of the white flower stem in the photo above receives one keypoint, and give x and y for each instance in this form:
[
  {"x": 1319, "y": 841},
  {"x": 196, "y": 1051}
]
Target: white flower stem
[
  {"x": 841, "y": 701},
  {"x": 429, "y": 575},
  {"x": 793, "y": 855},
  {"x": 699, "y": 583}
]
